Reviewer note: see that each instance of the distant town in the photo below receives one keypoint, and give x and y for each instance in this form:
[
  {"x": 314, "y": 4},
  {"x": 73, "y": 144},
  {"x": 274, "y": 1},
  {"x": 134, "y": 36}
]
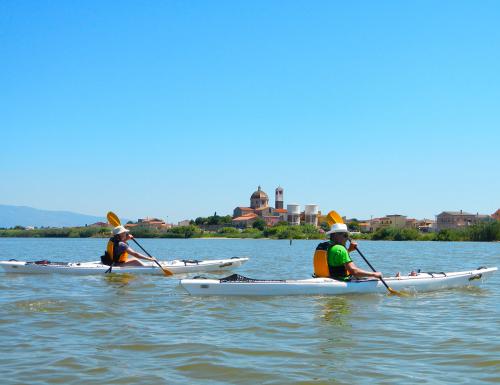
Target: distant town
[
  {"x": 259, "y": 211},
  {"x": 261, "y": 220}
]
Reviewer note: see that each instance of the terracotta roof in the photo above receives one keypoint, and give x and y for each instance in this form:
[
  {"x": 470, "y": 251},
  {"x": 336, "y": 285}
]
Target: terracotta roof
[
  {"x": 244, "y": 208},
  {"x": 100, "y": 224},
  {"x": 280, "y": 210},
  {"x": 245, "y": 217}
]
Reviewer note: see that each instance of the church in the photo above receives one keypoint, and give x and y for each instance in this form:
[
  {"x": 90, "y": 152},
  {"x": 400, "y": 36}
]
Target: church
[{"x": 259, "y": 208}]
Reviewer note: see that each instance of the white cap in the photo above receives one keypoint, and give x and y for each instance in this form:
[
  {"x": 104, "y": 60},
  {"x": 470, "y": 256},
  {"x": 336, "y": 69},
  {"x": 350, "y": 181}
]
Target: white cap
[
  {"x": 120, "y": 229},
  {"x": 338, "y": 228}
]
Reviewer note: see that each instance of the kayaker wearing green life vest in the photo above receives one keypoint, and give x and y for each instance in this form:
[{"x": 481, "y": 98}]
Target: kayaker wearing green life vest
[
  {"x": 118, "y": 251},
  {"x": 340, "y": 263}
]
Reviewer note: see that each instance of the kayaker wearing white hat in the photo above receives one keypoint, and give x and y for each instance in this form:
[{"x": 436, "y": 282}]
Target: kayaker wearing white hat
[
  {"x": 118, "y": 251},
  {"x": 335, "y": 255}
]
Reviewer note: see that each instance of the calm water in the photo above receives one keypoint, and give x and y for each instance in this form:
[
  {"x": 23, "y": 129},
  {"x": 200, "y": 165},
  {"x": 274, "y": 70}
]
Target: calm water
[{"x": 146, "y": 330}]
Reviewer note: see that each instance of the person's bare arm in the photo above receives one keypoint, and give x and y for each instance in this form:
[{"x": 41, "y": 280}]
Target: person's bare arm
[
  {"x": 359, "y": 273},
  {"x": 138, "y": 255},
  {"x": 135, "y": 253}
]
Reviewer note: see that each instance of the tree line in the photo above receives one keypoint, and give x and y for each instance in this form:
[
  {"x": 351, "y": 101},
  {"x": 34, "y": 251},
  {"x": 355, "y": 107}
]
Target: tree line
[
  {"x": 483, "y": 232},
  {"x": 480, "y": 232}
]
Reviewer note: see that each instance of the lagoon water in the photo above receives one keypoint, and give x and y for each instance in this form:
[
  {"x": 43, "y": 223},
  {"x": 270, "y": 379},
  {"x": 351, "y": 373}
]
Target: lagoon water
[{"x": 147, "y": 330}]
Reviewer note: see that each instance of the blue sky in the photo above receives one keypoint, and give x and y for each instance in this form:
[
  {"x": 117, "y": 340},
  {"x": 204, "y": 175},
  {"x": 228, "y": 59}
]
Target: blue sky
[{"x": 179, "y": 109}]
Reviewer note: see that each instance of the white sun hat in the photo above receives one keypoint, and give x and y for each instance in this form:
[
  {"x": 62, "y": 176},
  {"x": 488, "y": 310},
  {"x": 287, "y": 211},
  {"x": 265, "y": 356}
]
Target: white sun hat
[
  {"x": 120, "y": 229},
  {"x": 338, "y": 228}
]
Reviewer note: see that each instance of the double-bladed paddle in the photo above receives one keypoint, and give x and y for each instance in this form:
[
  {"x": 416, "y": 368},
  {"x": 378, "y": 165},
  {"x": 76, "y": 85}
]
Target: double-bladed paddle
[{"x": 115, "y": 221}]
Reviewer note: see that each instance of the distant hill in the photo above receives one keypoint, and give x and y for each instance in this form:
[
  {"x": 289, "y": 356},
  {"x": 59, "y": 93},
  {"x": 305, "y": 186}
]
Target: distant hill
[{"x": 11, "y": 216}]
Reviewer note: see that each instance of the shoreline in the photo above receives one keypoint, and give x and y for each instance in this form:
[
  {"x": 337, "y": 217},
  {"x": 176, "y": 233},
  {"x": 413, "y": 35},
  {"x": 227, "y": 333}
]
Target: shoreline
[
  {"x": 258, "y": 239},
  {"x": 484, "y": 232}
]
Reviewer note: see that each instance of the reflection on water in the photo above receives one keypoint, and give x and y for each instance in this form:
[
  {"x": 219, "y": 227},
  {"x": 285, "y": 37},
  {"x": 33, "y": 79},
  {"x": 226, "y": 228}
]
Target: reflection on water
[
  {"x": 120, "y": 280},
  {"x": 335, "y": 311}
]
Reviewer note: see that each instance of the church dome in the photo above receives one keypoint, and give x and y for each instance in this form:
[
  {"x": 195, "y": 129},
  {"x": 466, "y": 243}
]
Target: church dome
[{"x": 259, "y": 194}]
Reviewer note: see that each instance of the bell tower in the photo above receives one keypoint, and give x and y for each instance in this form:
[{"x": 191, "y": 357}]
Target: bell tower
[{"x": 278, "y": 198}]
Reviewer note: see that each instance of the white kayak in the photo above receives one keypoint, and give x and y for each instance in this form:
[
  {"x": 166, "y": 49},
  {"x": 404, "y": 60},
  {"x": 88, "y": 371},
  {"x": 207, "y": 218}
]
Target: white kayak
[
  {"x": 236, "y": 285},
  {"x": 85, "y": 268}
]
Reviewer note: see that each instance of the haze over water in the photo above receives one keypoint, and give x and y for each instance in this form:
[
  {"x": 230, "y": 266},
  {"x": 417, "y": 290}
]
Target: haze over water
[{"x": 148, "y": 330}]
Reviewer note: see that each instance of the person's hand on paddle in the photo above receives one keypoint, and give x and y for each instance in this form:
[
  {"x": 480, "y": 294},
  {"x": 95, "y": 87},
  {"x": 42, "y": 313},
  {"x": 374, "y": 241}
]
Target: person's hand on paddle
[
  {"x": 377, "y": 274},
  {"x": 352, "y": 246}
]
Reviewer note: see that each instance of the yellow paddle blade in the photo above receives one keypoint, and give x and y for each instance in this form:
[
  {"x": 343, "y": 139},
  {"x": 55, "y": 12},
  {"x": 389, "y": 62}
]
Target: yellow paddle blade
[
  {"x": 398, "y": 293},
  {"x": 167, "y": 272},
  {"x": 113, "y": 219},
  {"x": 333, "y": 217}
]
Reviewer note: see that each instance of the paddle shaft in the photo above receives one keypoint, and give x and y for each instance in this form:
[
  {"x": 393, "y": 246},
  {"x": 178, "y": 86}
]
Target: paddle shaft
[
  {"x": 371, "y": 267},
  {"x": 149, "y": 255}
]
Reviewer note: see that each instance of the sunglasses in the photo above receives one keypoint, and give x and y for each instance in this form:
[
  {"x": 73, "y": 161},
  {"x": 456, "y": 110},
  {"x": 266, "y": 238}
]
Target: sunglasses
[{"x": 346, "y": 235}]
